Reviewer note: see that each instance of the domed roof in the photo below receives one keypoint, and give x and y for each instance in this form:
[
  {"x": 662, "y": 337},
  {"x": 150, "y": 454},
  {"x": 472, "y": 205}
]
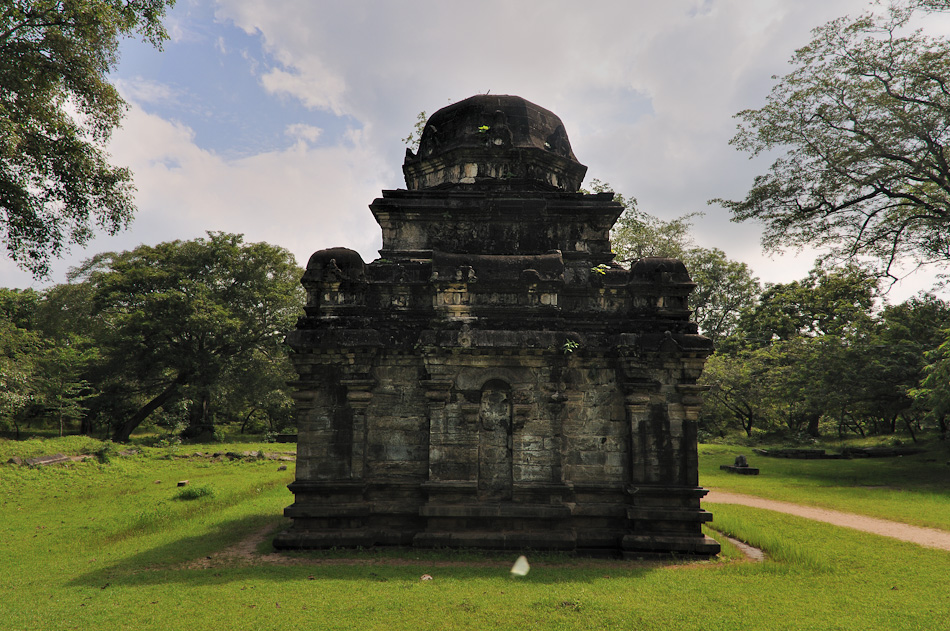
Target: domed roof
[
  {"x": 335, "y": 263},
  {"x": 489, "y": 138}
]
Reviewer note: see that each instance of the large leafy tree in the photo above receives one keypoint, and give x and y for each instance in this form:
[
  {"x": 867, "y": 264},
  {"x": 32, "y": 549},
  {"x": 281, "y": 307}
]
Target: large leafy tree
[
  {"x": 925, "y": 320},
  {"x": 42, "y": 373},
  {"x": 57, "y": 110},
  {"x": 18, "y": 350},
  {"x": 863, "y": 127},
  {"x": 724, "y": 287},
  {"x": 739, "y": 389},
  {"x": 826, "y": 302},
  {"x": 180, "y": 318},
  {"x": 795, "y": 354}
]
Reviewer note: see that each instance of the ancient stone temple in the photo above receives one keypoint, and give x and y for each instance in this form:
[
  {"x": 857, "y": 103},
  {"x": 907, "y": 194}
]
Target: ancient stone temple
[{"x": 495, "y": 379}]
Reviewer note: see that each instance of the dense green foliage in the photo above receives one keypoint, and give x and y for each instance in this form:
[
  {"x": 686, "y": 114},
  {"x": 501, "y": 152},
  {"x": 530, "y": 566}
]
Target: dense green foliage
[
  {"x": 864, "y": 124},
  {"x": 57, "y": 110},
  {"x": 107, "y": 546},
  {"x": 186, "y": 334},
  {"x": 820, "y": 355}
]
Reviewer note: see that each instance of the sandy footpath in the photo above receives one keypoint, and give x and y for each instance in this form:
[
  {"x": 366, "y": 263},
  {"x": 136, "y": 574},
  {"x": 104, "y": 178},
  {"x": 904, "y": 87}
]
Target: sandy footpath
[{"x": 928, "y": 537}]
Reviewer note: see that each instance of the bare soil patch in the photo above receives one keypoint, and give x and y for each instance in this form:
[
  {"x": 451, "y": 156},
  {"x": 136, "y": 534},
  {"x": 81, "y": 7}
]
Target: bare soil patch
[{"x": 245, "y": 552}]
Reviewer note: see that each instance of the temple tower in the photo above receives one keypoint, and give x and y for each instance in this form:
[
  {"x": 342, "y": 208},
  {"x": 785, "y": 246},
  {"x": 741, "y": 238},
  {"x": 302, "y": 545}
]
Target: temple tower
[{"x": 495, "y": 379}]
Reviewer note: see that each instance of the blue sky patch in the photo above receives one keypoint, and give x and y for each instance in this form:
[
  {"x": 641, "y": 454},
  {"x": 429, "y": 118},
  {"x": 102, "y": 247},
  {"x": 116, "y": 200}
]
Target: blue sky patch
[{"x": 209, "y": 79}]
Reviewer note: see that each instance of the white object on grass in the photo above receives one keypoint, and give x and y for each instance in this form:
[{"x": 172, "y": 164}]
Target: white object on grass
[{"x": 521, "y": 567}]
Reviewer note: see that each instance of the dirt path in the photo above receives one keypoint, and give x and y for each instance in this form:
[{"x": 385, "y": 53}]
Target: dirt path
[{"x": 928, "y": 537}]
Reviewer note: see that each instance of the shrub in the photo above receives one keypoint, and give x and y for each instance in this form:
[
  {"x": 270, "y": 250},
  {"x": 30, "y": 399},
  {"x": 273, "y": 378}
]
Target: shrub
[{"x": 194, "y": 492}]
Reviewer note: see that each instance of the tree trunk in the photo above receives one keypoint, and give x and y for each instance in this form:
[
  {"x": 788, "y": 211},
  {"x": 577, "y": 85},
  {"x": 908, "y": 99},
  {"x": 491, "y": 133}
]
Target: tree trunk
[
  {"x": 199, "y": 415},
  {"x": 910, "y": 428},
  {"x": 813, "y": 425},
  {"x": 747, "y": 425},
  {"x": 124, "y": 431},
  {"x": 247, "y": 419}
]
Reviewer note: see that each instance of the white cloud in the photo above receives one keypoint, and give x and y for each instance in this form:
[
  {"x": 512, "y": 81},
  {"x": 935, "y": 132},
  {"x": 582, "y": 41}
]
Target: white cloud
[
  {"x": 302, "y": 198},
  {"x": 302, "y": 131},
  {"x": 314, "y": 86},
  {"x": 146, "y": 91},
  {"x": 646, "y": 90}
]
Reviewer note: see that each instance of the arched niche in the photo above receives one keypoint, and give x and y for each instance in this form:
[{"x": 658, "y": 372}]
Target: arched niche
[{"x": 495, "y": 441}]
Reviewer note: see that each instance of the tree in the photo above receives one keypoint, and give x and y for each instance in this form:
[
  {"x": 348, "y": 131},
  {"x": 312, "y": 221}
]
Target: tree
[
  {"x": 183, "y": 314},
  {"x": 809, "y": 340},
  {"x": 934, "y": 389},
  {"x": 638, "y": 234},
  {"x": 723, "y": 287},
  {"x": 57, "y": 110},
  {"x": 864, "y": 120},
  {"x": 253, "y": 392},
  {"x": 18, "y": 350},
  {"x": 40, "y": 375},
  {"x": 837, "y": 302},
  {"x": 60, "y": 383},
  {"x": 724, "y": 290},
  {"x": 739, "y": 389}
]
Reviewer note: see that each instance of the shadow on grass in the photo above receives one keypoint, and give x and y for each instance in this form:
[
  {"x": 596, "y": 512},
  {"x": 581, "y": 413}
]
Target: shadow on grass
[{"x": 180, "y": 561}]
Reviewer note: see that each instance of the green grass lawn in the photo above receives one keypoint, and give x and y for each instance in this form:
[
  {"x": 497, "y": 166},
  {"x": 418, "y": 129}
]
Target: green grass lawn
[
  {"x": 106, "y": 546},
  {"x": 910, "y": 489}
]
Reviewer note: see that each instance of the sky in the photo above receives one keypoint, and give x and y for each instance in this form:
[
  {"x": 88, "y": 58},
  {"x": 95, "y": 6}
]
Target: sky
[{"x": 283, "y": 120}]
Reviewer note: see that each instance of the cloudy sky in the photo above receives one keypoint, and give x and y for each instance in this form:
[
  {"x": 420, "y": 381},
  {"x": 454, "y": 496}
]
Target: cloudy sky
[{"x": 283, "y": 120}]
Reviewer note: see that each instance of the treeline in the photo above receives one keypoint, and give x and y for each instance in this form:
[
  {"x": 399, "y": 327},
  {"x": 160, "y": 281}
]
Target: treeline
[
  {"x": 821, "y": 355},
  {"x": 185, "y": 336}
]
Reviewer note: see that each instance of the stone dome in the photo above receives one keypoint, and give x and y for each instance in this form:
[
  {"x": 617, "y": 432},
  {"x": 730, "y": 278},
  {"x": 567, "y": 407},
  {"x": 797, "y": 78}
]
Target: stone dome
[
  {"x": 335, "y": 263},
  {"x": 494, "y": 139}
]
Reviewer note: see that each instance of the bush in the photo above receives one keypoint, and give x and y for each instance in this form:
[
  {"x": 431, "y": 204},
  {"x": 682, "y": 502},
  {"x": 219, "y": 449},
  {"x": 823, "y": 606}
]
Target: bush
[
  {"x": 106, "y": 453},
  {"x": 194, "y": 492}
]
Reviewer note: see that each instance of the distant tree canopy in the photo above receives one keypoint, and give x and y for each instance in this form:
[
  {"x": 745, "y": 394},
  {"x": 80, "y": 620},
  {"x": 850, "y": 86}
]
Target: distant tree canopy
[
  {"x": 822, "y": 353},
  {"x": 724, "y": 287},
  {"x": 864, "y": 124},
  {"x": 57, "y": 110},
  {"x": 186, "y": 333}
]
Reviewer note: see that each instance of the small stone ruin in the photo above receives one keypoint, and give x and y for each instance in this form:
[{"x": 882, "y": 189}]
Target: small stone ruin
[
  {"x": 740, "y": 466},
  {"x": 495, "y": 380}
]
